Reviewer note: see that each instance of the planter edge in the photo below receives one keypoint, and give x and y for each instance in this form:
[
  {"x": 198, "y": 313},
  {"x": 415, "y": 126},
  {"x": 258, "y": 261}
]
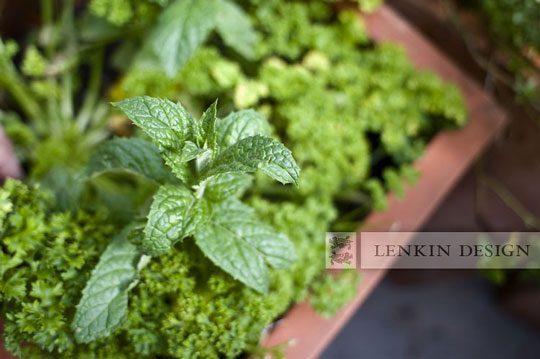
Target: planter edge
[{"x": 304, "y": 331}]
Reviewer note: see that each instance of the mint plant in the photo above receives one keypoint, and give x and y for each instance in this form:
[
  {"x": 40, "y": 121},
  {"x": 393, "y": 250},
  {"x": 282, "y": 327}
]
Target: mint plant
[
  {"x": 212, "y": 161},
  {"x": 186, "y": 24}
]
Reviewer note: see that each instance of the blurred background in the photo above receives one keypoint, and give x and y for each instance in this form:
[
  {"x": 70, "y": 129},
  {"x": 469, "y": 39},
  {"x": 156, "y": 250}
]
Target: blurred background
[{"x": 467, "y": 313}]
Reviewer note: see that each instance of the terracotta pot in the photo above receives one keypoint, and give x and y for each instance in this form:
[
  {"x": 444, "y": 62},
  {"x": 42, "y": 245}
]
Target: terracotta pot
[{"x": 444, "y": 162}]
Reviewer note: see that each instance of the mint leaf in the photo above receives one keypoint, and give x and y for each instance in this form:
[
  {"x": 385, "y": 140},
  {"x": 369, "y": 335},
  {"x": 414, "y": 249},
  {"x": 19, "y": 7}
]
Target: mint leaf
[
  {"x": 66, "y": 185},
  {"x": 129, "y": 154},
  {"x": 190, "y": 151},
  {"x": 174, "y": 214},
  {"x": 237, "y": 242},
  {"x": 239, "y": 125},
  {"x": 181, "y": 29},
  {"x": 104, "y": 303},
  {"x": 258, "y": 152},
  {"x": 234, "y": 27},
  {"x": 178, "y": 161},
  {"x": 277, "y": 249},
  {"x": 167, "y": 124},
  {"x": 208, "y": 123},
  {"x": 226, "y": 185}
]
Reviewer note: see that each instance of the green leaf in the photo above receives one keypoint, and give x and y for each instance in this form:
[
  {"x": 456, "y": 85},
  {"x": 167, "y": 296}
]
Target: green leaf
[
  {"x": 235, "y": 28},
  {"x": 177, "y": 160},
  {"x": 181, "y": 29},
  {"x": 208, "y": 123},
  {"x": 104, "y": 303},
  {"x": 239, "y": 125},
  {"x": 161, "y": 2},
  {"x": 258, "y": 152},
  {"x": 167, "y": 124},
  {"x": 66, "y": 186},
  {"x": 129, "y": 154},
  {"x": 240, "y": 244},
  {"x": 174, "y": 214},
  {"x": 225, "y": 185},
  {"x": 6, "y": 207},
  {"x": 189, "y": 152}
]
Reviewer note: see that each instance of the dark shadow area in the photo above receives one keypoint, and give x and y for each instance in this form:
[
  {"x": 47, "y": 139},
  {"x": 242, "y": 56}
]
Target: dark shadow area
[{"x": 449, "y": 319}]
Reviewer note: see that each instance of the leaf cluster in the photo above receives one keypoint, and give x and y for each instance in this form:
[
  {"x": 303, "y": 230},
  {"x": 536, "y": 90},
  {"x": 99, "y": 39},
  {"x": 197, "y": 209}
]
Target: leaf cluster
[
  {"x": 45, "y": 260},
  {"x": 211, "y": 160}
]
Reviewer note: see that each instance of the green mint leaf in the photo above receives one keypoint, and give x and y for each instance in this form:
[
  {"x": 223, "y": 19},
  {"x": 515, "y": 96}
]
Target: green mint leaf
[
  {"x": 208, "y": 123},
  {"x": 177, "y": 161},
  {"x": 181, "y": 29},
  {"x": 226, "y": 185},
  {"x": 129, "y": 154},
  {"x": 66, "y": 186},
  {"x": 277, "y": 249},
  {"x": 239, "y": 125},
  {"x": 189, "y": 152},
  {"x": 237, "y": 242},
  {"x": 235, "y": 28},
  {"x": 174, "y": 214},
  {"x": 167, "y": 124},
  {"x": 258, "y": 152},
  {"x": 104, "y": 303}
]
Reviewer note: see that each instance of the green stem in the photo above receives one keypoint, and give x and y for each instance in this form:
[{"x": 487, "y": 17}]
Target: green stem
[
  {"x": 49, "y": 28},
  {"x": 199, "y": 189},
  {"x": 124, "y": 35},
  {"x": 47, "y": 18},
  {"x": 99, "y": 117},
  {"x": 69, "y": 30},
  {"x": 94, "y": 86},
  {"x": 55, "y": 120},
  {"x": 67, "y": 93},
  {"x": 91, "y": 139},
  {"x": 14, "y": 84}
]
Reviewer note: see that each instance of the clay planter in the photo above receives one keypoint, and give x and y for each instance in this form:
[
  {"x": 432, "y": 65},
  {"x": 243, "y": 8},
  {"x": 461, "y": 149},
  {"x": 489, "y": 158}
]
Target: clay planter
[
  {"x": 446, "y": 159},
  {"x": 304, "y": 332}
]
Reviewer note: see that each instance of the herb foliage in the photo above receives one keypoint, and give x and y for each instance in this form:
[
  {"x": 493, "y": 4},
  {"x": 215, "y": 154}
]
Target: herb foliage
[
  {"x": 227, "y": 231},
  {"x": 354, "y": 113}
]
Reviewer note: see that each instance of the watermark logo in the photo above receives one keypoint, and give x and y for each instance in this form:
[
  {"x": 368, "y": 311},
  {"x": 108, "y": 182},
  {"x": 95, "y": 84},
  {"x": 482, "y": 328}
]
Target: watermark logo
[
  {"x": 340, "y": 250},
  {"x": 449, "y": 250}
]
